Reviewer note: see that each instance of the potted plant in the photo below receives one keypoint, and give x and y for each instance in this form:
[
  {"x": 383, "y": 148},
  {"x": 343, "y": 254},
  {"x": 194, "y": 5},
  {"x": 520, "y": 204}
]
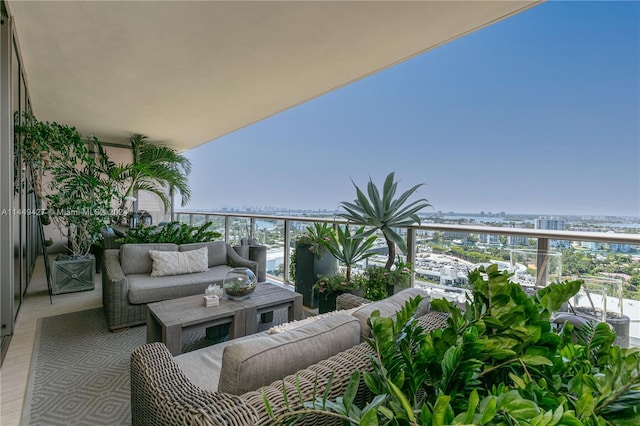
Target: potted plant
[
  {"x": 382, "y": 282},
  {"x": 78, "y": 197},
  {"x": 80, "y": 207},
  {"x": 347, "y": 248},
  {"x": 384, "y": 213},
  {"x": 313, "y": 260},
  {"x": 330, "y": 287}
]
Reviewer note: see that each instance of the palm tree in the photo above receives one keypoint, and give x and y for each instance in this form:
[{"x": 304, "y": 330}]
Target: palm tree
[
  {"x": 384, "y": 213},
  {"x": 154, "y": 168}
]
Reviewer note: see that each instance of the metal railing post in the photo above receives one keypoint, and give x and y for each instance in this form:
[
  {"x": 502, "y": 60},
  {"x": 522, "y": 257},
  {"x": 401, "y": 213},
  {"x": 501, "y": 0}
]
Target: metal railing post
[
  {"x": 227, "y": 220},
  {"x": 542, "y": 262},
  {"x": 411, "y": 253},
  {"x": 287, "y": 251}
]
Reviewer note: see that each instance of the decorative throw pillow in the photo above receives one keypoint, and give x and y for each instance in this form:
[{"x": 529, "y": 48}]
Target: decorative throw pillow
[{"x": 179, "y": 262}]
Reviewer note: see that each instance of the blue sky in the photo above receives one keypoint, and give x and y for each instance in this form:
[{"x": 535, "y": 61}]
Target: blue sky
[{"x": 539, "y": 113}]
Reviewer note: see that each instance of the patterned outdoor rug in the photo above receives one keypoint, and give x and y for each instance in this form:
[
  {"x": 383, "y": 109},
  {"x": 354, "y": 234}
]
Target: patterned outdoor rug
[{"x": 80, "y": 370}]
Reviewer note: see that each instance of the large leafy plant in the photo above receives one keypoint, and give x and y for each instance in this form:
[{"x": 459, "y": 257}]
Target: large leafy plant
[
  {"x": 154, "y": 168},
  {"x": 80, "y": 205},
  {"x": 381, "y": 212},
  {"x": 500, "y": 362},
  {"x": 81, "y": 188},
  {"x": 173, "y": 232}
]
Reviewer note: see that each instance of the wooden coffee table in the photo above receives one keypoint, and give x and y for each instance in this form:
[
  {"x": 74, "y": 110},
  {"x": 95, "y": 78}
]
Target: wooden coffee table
[{"x": 167, "y": 320}]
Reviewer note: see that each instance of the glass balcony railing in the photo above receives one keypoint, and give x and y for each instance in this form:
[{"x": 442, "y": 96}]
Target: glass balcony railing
[{"x": 443, "y": 254}]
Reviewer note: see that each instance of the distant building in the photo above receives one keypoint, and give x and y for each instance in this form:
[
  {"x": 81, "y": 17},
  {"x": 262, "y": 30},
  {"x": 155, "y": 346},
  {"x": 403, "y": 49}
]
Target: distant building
[
  {"x": 454, "y": 234},
  {"x": 623, "y": 248},
  {"x": 489, "y": 239},
  {"x": 516, "y": 240},
  {"x": 591, "y": 245},
  {"x": 554, "y": 224}
]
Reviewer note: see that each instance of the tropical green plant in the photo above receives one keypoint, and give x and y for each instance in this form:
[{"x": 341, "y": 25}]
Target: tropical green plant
[
  {"x": 172, "y": 232},
  {"x": 349, "y": 248},
  {"x": 79, "y": 196},
  {"x": 500, "y": 362},
  {"x": 377, "y": 280},
  {"x": 380, "y": 279},
  {"x": 41, "y": 144},
  {"x": 81, "y": 203},
  {"x": 154, "y": 168},
  {"x": 316, "y": 236},
  {"x": 338, "y": 283},
  {"x": 381, "y": 212}
]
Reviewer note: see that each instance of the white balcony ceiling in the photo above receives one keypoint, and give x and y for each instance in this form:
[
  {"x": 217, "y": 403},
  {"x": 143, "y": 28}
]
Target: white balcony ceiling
[{"x": 185, "y": 73}]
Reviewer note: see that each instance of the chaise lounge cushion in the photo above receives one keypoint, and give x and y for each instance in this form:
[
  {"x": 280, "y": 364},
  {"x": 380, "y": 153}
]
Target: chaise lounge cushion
[
  {"x": 252, "y": 363},
  {"x": 389, "y": 306}
]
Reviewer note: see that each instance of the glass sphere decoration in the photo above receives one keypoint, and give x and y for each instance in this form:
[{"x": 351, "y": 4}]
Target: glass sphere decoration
[{"x": 239, "y": 283}]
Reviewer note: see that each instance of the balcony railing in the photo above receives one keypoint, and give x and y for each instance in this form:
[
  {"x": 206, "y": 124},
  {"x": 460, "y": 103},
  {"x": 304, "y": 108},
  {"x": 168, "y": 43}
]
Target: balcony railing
[{"x": 279, "y": 232}]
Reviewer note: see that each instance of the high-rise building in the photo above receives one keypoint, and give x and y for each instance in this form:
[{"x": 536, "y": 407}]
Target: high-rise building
[
  {"x": 552, "y": 223},
  {"x": 555, "y": 224}
]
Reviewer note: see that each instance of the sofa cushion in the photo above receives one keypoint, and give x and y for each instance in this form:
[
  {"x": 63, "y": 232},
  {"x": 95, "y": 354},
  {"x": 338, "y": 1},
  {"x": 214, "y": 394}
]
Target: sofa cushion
[
  {"x": 297, "y": 324},
  {"x": 178, "y": 263},
  {"x": 217, "y": 251},
  {"x": 252, "y": 363},
  {"x": 143, "y": 288},
  {"x": 135, "y": 258},
  {"x": 202, "y": 366},
  {"x": 389, "y": 306}
]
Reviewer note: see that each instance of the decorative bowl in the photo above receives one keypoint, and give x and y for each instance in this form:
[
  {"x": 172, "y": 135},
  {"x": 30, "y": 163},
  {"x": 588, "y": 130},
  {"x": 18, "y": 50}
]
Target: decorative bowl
[{"x": 239, "y": 283}]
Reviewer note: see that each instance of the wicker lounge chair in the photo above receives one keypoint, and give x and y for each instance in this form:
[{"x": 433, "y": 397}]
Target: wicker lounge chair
[{"x": 162, "y": 394}]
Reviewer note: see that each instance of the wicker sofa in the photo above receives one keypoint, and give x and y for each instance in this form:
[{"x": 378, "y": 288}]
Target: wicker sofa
[
  {"x": 166, "y": 390},
  {"x": 127, "y": 284}
]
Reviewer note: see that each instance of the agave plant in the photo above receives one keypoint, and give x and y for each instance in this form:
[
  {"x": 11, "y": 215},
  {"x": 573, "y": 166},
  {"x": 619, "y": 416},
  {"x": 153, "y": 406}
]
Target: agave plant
[
  {"x": 383, "y": 212},
  {"x": 350, "y": 249},
  {"x": 154, "y": 168}
]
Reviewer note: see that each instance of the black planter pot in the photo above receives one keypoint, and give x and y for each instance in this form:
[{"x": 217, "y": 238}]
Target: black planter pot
[
  {"x": 327, "y": 301},
  {"x": 308, "y": 268}
]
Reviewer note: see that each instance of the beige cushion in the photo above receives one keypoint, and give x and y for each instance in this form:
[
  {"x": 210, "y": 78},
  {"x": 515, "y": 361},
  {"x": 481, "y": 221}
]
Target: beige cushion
[
  {"x": 253, "y": 363},
  {"x": 135, "y": 258},
  {"x": 178, "y": 263},
  {"x": 389, "y": 306},
  {"x": 202, "y": 366},
  {"x": 143, "y": 288},
  {"x": 217, "y": 251}
]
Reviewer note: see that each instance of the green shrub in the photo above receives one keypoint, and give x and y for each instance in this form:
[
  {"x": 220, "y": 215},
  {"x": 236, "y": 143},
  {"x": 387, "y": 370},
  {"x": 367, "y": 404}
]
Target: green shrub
[
  {"x": 173, "y": 232},
  {"x": 500, "y": 362}
]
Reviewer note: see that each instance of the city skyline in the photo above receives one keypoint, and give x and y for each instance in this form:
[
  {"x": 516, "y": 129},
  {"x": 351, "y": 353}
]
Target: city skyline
[{"x": 537, "y": 113}]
